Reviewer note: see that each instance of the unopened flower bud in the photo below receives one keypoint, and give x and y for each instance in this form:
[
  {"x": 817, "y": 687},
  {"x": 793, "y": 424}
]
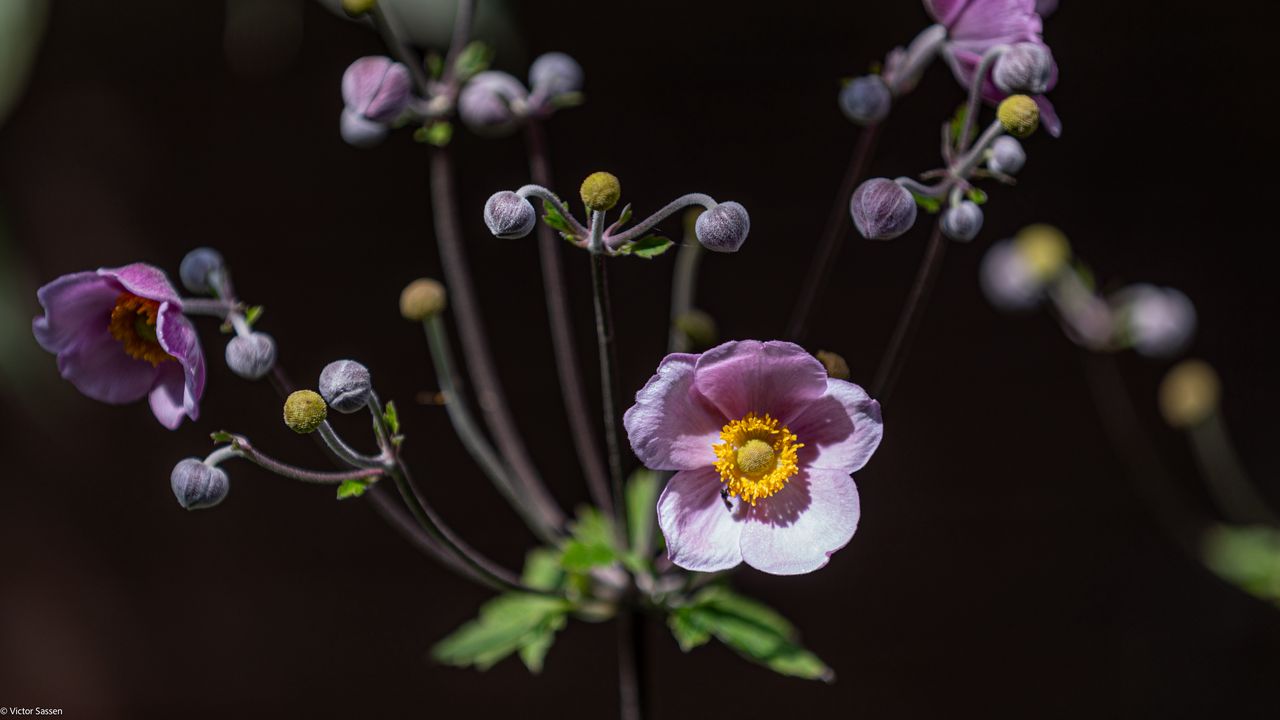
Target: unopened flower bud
[
  {"x": 698, "y": 327},
  {"x": 1018, "y": 115},
  {"x": 723, "y": 228},
  {"x": 1189, "y": 393},
  {"x": 345, "y": 385},
  {"x": 882, "y": 209},
  {"x": 1007, "y": 156},
  {"x": 1008, "y": 280},
  {"x": 1159, "y": 321},
  {"x": 251, "y": 356},
  {"x": 600, "y": 191},
  {"x": 358, "y": 132},
  {"x": 508, "y": 215},
  {"x": 196, "y": 267},
  {"x": 555, "y": 73},
  {"x": 836, "y": 366},
  {"x": 356, "y": 8},
  {"x": 198, "y": 486},
  {"x": 304, "y": 410},
  {"x": 376, "y": 88},
  {"x": 1044, "y": 248},
  {"x": 866, "y": 100},
  {"x": 421, "y": 299},
  {"x": 962, "y": 222},
  {"x": 489, "y": 102},
  {"x": 1024, "y": 68}
]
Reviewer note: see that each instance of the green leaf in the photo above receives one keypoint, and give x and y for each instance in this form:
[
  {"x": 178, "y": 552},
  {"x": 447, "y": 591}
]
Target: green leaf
[
  {"x": 552, "y": 217},
  {"x": 957, "y": 125},
  {"x": 437, "y": 134},
  {"x": 506, "y": 624},
  {"x": 1247, "y": 557},
  {"x": 352, "y": 489},
  {"x": 252, "y": 314},
  {"x": 581, "y": 557},
  {"x": 725, "y": 600},
  {"x": 977, "y": 196},
  {"x": 929, "y": 204},
  {"x": 689, "y": 634},
  {"x": 435, "y": 65},
  {"x": 624, "y": 217},
  {"x": 221, "y": 436},
  {"x": 542, "y": 569},
  {"x": 642, "y": 509},
  {"x": 391, "y": 417},
  {"x": 533, "y": 650},
  {"x": 647, "y": 247},
  {"x": 473, "y": 59}
]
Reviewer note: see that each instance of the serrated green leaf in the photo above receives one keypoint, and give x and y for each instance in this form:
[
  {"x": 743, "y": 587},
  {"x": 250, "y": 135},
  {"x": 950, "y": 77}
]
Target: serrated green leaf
[
  {"x": 542, "y": 569},
  {"x": 473, "y": 59},
  {"x": 533, "y": 649},
  {"x": 978, "y": 196},
  {"x": 647, "y": 247},
  {"x": 505, "y": 624},
  {"x": 593, "y": 527},
  {"x": 252, "y": 314},
  {"x": 352, "y": 488},
  {"x": 688, "y": 633},
  {"x": 552, "y": 217},
  {"x": 642, "y": 509},
  {"x": 582, "y": 557},
  {"x": 221, "y": 436},
  {"x": 391, "y": 417},
  {"x": 929, "y": 204}
]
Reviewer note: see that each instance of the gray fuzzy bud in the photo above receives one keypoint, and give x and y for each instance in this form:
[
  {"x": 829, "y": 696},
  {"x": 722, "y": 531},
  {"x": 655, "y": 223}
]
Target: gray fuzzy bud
[
  {"x": 251, "y": 356},
  {"x": 488, "y": 104},
  {"x": 962, "y": 222},
  {"x": 882, "y": 209},
  {"x": 555, "y": 73},
  {"x": 358, "y": 131},
  {"x": 196, "y": 267},
  {"x": 509, "y": 216},
  {"x": 723, "y": 228},
  {"x": 1160, "y": 320},
  {"x": 1007, "y": 156},
  {"x": 1008, "y": 280},
  {"x": 198, "y": 486},
  {"x": 1024, "y": 68},
  {"x": 345, "y": 385},
  {"x": 866, "y": 100}
]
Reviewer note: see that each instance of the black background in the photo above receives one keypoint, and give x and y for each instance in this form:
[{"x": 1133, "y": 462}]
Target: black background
[{"x": 1006, "y": 563}]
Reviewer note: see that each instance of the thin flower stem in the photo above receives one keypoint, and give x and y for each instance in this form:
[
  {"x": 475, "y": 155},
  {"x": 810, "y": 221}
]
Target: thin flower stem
[
  {"x": 922, "y": 50},
  {"x": 832, "y": 234},
  {"x": 468, "y": 429},
  {"x": 462, "y": 21},
  {"x": 542, "y": 193},
  {"x": 246, "y": 450},
  {"x": 965, "y": 165},
  {"x": 475, "y": 345},
  {"x": 345, "y": 452},
  {"x": 211, "y": 307},
  {"x": 388, "y": 27},
  {"x": 975, "y": 93},
  {"x": 613, "y": 242},
  {"x": 684, "y": 281},
  {"x": 562, "y": 343},
  {"x": 1236, "y": 497},
  {"x": 608, "y": 373},
  {"x": 912, "y": 312},
  {"x": 631, "y": 675}
]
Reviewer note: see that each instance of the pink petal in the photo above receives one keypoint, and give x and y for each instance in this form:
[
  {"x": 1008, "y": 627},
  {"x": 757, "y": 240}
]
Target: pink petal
[
  {"x": 98, "y": 366},
  {"x": 145, "y": 281},
  {"x": 797, "y": 530},
  {"x": 75, "y": 306},
  {"x": 840, "y": 430},
  {"x": 995, "y": 22},
  {"x": 775, "y": 377},
  {"x": 671, "y": 426},
  {"x": 167, "y": 396},
  {"x": 702, "y": 533},
  {"x": 178, "y": 338},
  {"x": 945, "y": 11},
  {"x": 1048, "y": 116}
]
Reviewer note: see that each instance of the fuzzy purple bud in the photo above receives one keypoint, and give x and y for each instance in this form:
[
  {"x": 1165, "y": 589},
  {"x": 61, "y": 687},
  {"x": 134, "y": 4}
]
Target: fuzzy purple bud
[
  {"x": 555, "y": 73},
  {"x": 376, "y": 88},
  {"x": 723, "y": 228},
  {"x": 492, "y": 103},
  {"x": 962, "y": 222},
  {"x": 866, "y": 100},
  {"x": 1007, "y": 156},
  {"x": 508, "y": 215},
  {"x": 1025, "y": 68},
  {"x": 198, "y": 486},
  {"x": 251, "y": 356},
  {"x": 345, "y": 385},
  {"x": 359, "y": 132},
  {"x": 882, "y": 209},
  {"x": 196, "y": 267}
]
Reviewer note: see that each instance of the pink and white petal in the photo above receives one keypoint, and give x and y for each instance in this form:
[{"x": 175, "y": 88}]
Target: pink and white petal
[
  {"x": 178, "y": 338},
  {"x": 996, "y": 22},
  {"x": 840, "y": 430},
  {"x": 702, "y": 532},
  {"x": 75, "y": 306},
  {"x": 797, "y": 530},
  {"x": 775, "y": 377},
  {"x": 98, "y": 366},
  {"x": 945, "y": 11},
  {"x": 671, "y": 426},
  {"x": 167, "y": 396},
  {"x": 145, "y": 281},
  {"x": 1048, "y": 116}
]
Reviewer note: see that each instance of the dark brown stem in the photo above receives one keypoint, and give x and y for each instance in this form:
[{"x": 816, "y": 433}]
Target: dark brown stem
[
  {"x": 631, "y": 672},
  {"x": 608, "y": 381},
  {"x": 912, "y": 312}
]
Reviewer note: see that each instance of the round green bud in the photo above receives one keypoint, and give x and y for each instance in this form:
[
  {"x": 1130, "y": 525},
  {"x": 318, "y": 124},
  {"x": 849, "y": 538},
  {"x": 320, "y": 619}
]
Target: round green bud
[
  {"x": 356, "y": 8},
  {"x": 1018, "y": 115},
  {"x": 600, "y": 191},
  {"x": 304, "y": 410},
  {"x": 1189, "y": 394},
  {"x": 836, "y": 366},
  {"x": 422, "y": 298}
]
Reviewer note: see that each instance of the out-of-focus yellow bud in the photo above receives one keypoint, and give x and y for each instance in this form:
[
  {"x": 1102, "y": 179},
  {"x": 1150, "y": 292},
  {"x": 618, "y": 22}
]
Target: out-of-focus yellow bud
[
  {"x": 1189, "y": 393},
  {"x": 1044, "y": 248}
]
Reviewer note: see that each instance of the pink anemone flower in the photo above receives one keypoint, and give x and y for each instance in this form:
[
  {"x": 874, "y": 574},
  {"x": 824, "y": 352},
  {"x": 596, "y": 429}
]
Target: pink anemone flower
[
  {"x": 120, "y": 335},
  {"x": 975, "y": 26},
  {"x": 764, "y": 444}
]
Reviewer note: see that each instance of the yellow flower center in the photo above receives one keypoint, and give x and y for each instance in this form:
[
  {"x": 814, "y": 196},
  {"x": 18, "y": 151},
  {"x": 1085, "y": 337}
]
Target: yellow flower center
[
  {"x": 756, "y": 457},
  {"x": 133, "y": 323}
]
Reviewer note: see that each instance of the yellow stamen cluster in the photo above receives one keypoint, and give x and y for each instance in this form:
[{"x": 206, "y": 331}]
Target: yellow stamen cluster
[
  {"x": 756, "y": 457},
  {"x": 133, "y": 323}
]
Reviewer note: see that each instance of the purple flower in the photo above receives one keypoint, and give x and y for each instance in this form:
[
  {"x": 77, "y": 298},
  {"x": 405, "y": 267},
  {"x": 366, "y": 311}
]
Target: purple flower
[
  {"x": 119, "y": 335},
  {"x": 975, "y": 26},
  {"x": 764, "y": 443},
  {"x": 375, "y": 91}
]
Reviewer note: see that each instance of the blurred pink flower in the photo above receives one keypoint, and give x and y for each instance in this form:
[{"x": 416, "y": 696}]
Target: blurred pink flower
[
  {"x": 119, "y": 335},
  {"x": 764, "y": 444}
]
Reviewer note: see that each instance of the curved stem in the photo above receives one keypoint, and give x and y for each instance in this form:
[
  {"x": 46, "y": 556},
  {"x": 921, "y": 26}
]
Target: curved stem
[
  {"x": 608, "y": 379},
  {"x": 475, "y": 345},
  {"x": 246, "y": 450},
  {"x": 975, "y": 92},
  {"x": 912, "y": 312},
  {"x": 394, "y": 514},
  {"x": 1236, "y": 497},
  {"x": 345, "y": 452},
  {"x": 549, "y": 197},
  {"x": 919, "y": 188},
  {"x": 684, "y": 280},
  {"x": 965, "y": 165},
  {"x": 210, "y": 307},
  {"x": 613, "y": 242},
  {"x": 832, "y": 234},
  {"x": 919, "y": 53},
  {"x": 562, "y": 343}
]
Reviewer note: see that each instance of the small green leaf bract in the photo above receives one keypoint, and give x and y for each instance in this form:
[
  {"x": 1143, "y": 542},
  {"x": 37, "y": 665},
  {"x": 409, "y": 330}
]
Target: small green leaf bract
[
  {"x": 221, "y": 436},
  {"x": 929, "y": 204},
  {"x": 391, "y": 417},
  {"x": 506, "y": 624},
  {"x": 252, "y": 315},
  {"x": 352, "y": 489},
  {"x": 977, "y": 196},
  {"x": 647, "y": 247}
]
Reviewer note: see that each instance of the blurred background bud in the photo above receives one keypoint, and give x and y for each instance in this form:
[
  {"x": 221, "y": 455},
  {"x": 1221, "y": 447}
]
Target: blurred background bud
[
  {"x": 882, "y": 209},
  {"x": 1044, "y": 248},
  {"x": 304, "y": 410},
  {"x": 698, "y": 327},
  {"x": 1008, "y": 280},
  {"x": 508, "y": 215},
  {"x": 1246, "y": 556},
  {"x": 345, "y": 385},
  {"x": 962, "y": 222},
  {"x": 198, "y": 486},
  {"x": 492, "y": 103},
  {"x": 376, "y": 88},
  {"x": 251, "y": 356},
  {"x": 1159, "y": 322},
  {"x": 554, "y": 73},
  {"x": 356, "y": 8},
  {"x": 600, "y": 191},
  {"x": 1007, "y": 156},
  {"x": 1024, "y": 68},
  {"x": 1018, "y": 115},
  {"x": 723, "y": 228},
  {"x": 835, "y": 364},
  {"x": 196, "y": 267},
  {"x": 421, "y": 299},
  {"x": 866, "y": 100},
  {"x": 1189, "y": 393}
]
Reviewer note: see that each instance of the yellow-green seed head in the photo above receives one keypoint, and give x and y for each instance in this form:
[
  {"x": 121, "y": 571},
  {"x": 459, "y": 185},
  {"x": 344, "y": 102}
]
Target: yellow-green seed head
[
  {"x": 1189, "y": 394},
  {"x": 601, "y": 191},
  {"x": 356, "y": 8},
  {"x": 1018, "y": 115},
  {"x": 304, "y": 411},
  {"x": 836, "y": 366},
  {"x": 422, "y": 298},
  {"x": 1044, "y": 248}
]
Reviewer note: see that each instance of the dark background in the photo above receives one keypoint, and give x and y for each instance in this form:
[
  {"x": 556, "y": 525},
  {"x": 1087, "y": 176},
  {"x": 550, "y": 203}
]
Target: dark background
[{"x": 1006, "y": 563}]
